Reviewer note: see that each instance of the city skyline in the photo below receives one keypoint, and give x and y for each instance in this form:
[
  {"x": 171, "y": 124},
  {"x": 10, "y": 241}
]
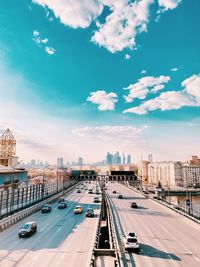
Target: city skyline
[{"x": 74, "y": 86}]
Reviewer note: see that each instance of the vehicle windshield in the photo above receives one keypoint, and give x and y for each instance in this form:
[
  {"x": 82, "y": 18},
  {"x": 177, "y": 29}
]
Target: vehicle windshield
[
  {"x": 26, "y": 226},
  {"x": 131, "y": 234},
  {"x": 132, "y": 240}
]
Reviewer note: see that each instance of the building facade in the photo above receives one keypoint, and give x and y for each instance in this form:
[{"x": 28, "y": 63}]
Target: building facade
[
  {"x": 168, "y": 173},
  {"x": 191, "y": 176},
  {"x": 143, "y": 171}
]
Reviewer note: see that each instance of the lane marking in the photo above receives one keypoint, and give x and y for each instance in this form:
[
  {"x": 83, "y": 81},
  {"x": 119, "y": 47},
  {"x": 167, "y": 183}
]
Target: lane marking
[
  {"x": 196, "y": 258},
  {"x": 41, "y": 230},
  {"x": 59, "y": 229}
]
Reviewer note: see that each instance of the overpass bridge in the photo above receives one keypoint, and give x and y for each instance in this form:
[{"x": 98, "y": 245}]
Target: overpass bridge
[{"x": 63, "y": 239}]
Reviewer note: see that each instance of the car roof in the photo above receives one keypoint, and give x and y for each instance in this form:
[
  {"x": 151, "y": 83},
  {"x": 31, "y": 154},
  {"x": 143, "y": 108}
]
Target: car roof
[
  {"x": 30, "y": 222},
  {"x": 78, "y": 206},
  {"x": 131, "y": 234}
]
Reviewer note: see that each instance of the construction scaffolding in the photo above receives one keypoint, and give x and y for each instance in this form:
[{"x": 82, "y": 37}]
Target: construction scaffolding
[{"x": 7, "y": 147}]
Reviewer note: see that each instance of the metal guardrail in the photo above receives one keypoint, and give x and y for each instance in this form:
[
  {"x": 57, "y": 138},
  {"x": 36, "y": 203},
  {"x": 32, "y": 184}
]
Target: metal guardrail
[
  {"x": 167, "y": 205},
  {"x": 113, "y": 235},
  {"x": 112, "y": 251},
  {"x": 10, "y": 220}
]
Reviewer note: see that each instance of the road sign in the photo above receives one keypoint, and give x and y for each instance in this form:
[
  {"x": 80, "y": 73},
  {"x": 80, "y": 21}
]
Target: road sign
[{"x": 187, "y": 202}]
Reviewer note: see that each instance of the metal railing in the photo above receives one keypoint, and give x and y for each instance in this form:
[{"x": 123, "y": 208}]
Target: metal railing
[
  {"x": 12, "y": 219},
  {"x": 15, "y": 200},
  {"x": 105, "y": 218}
]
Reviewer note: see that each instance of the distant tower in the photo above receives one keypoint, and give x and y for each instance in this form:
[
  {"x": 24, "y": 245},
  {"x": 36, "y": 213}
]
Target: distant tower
[
  {"x": 128, "y": 159},
  {"x": 7, "y": 148},
  {"x": 123, "y": 159},
  {"x": 80, "y": 161},
  {"x": 150, "y": 158},
  {"x": 60, "y": 163}
]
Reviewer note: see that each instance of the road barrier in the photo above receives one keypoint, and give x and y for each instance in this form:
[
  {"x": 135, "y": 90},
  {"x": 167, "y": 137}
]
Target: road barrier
[
  {"x": 105, "y": 247},
  {"x": 10, "y": 220}
]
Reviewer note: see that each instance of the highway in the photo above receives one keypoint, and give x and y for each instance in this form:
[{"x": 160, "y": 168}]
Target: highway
[
  {"x": 63, "y": 238},
  {"x": 166, "y": 238}
]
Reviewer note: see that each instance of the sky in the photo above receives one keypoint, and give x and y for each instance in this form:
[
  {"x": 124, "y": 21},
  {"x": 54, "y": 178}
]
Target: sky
[{"x": 81, "y": 78}]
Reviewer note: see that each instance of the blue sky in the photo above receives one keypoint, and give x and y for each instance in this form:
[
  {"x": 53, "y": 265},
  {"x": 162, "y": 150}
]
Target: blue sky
[{"x": 80, "y": 78}]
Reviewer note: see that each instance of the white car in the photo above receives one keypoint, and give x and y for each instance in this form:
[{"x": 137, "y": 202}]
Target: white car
[{"x": 130, "y": 242}]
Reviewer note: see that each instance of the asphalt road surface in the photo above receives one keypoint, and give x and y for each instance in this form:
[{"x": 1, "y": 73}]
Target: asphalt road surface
[
  {"x": 63, "y": 238},
  {"x": 167, "y": 239}
]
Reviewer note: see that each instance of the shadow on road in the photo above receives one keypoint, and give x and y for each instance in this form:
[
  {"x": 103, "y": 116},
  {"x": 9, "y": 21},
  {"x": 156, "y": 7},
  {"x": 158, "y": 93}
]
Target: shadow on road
[
  {"x": 152, "y": 213},
  {"x": 147, "y": 250},
  {"x": 58, "y": 225}
]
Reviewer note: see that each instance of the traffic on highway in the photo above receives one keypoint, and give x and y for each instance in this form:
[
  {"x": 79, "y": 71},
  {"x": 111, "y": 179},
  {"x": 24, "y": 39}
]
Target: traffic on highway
[
  {"x": 150, "y": 234},
  {"x": 62, "y": 233}
]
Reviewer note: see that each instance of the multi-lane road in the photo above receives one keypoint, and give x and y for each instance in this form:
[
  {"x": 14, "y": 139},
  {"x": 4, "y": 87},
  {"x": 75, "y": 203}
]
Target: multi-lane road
[
  {"x": 166, "y": 238},
  {"x": 63, "y": 238}
]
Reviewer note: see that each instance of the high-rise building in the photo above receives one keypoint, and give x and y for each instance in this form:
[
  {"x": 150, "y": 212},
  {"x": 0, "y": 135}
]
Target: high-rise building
[
  {"x": 60, "y": 163},
  {"x": 128, "y": 159},
  {"x": 109, "y": 159},
  {"x": 117, "y": 158},
  {"x": 33, "y": 162},
  {"x": 80, "y": 161},
  {"x": 123, "y": 159}
]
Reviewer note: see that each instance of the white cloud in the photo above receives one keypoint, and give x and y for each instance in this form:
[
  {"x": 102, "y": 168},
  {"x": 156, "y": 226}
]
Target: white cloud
[
  {"x": 168, "y": 4},
  {"x": 109, "y": 133},
  {"x": 143, "y": 71},
  {"x": 44, "y": 41},
  {"x": 166, "y": 101},
  {"x": 37, "y": 38},
  {"x": 35, "y": 33},
  {"x": 40, "y": 42},
  {"x": 127, "y": 56},
  {"x": 126, "y": 20},
  {"x": 192, "y": 87},
  {"x": 106, "y": 101},
  {"x": 174, "y": 69},
  {"x": 50, "y": 50},
  {"x": 144, "y": 86},
  {"x": 172, "y": 100},
  {"x": 73, "y": 13}
]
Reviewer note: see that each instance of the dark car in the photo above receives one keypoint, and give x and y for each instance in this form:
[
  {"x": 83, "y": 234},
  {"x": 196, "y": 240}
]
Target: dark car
[
  {"x": 46, "y": 208},
  {"x": 89, "y": 212},
  {"x": 78, "y": 191},
  {"x": 96, "y": 200},
  {"x": 62, "y": 205},
  {"x": 61, "y": 199},
  {"x": 114, "y": 192},
  {"x": 27, "y": 229},
  {"x": 134, "y": 205},
  {"x": 120, "y": 197}
]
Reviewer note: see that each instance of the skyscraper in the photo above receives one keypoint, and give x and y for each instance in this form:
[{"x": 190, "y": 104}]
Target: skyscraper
[
  {"x": 80, "y": 161},
  {"x": 60, "y": 163},
  {"x": 123, "y": 159},
  {"x": 128, "y": 159},
  {"x": 109, "y": 159}
]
